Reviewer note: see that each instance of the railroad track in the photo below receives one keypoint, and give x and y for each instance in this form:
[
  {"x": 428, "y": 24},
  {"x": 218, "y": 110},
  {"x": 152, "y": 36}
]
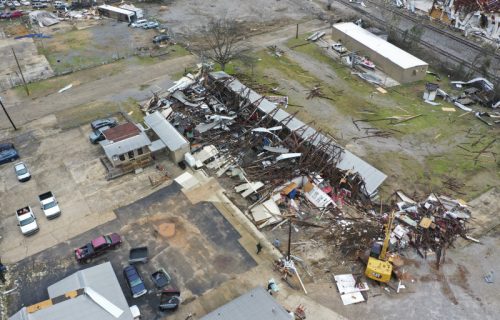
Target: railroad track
[
  {"x": 425, "y": 23},
  {"x": 426, "y": 44}
]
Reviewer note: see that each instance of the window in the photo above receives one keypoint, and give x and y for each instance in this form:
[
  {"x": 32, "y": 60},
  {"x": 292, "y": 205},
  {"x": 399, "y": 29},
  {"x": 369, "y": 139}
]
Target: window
[
  {"x": 139, "y": 151},
  {"x": 122, "y": 157},
  {"x": 131, "y": 154}
]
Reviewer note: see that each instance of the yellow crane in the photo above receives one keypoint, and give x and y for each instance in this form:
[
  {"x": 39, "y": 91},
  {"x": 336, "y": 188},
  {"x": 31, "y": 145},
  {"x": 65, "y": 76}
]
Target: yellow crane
[{"x": 380, "y": 269}]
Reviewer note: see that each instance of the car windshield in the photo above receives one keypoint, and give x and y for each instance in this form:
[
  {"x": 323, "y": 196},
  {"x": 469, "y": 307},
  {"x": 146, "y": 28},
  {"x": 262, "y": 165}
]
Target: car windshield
[
  {"x": 49, "y": 205},
  {"x": 25, "y": 222},
  {"x": 21, "y": 170},
  {"x": 136, "y": 282}
]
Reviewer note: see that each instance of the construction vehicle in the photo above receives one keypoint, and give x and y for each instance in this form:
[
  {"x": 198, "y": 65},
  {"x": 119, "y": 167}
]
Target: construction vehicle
[{"x": 379, "y": 268}]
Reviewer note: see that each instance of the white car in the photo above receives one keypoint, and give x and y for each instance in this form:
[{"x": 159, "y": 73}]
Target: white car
[
  {"x": 22, "y": 172},
  {"x": 339, "y": 48},
  {"x": 26, "y": 220},
  {"x": 49, "y": 205},
  {"x": 16, "y": 3},
  {"x": 25, "y": 3},
  {"x": 139, "y": 23}
]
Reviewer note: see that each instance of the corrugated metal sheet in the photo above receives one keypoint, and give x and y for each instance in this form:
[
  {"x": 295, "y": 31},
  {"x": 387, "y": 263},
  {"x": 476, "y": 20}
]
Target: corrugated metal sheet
[
  {"x": 253, "y": 305},
  {"x": 165, "y": 131},
  {"x": 372, "y": 176}
]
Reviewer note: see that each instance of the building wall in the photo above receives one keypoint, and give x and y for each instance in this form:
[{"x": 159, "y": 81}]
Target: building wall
[
  {"x": 178, "y": 155},
  {"x": 390, "y": 68},
  {"x": 134, "y": 156}
]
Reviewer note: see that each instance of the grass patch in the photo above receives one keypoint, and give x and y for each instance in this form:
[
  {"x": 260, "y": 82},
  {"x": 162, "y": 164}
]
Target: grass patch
[
  {"x": 52, "y": 85},
  {"x": 84, "y": 114},
  {"x": 176, "y": 51}
]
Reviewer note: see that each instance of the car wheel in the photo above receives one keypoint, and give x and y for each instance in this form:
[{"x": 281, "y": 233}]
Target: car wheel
[{"x": 12, "y": 159}]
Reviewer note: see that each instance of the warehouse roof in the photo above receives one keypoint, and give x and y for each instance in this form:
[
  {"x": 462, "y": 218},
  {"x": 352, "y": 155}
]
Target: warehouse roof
[
  {"x": 379, "y": 45},
  {"x": 255, "y": 304}
]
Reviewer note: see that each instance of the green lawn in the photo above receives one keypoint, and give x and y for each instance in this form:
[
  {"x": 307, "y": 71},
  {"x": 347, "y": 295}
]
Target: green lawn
[{"x": 84, "y": 114}]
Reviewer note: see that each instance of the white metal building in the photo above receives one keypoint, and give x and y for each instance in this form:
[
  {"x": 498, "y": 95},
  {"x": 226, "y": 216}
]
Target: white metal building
[{"x": 395, "y": 62}]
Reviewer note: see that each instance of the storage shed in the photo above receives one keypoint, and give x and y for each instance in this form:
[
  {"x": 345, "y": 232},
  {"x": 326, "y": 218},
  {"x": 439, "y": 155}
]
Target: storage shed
[
  {"x": 395, "y": 62},
  {"x": 168, "y": 137}
]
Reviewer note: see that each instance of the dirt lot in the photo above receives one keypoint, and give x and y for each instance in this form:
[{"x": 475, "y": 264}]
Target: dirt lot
[
  {"x": 185, "y": 17},
  {"x": 82, "y": 44}
]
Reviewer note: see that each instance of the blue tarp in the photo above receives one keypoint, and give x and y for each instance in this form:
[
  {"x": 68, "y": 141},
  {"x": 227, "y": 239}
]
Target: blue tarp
[{"x": 34, "y": 35}]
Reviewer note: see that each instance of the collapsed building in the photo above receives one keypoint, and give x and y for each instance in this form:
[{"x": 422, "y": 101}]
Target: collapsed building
[
  {"x": 265, "y": 142},
  {"x": 480, "y": 18},
  {"x": 280, "y": 169}
]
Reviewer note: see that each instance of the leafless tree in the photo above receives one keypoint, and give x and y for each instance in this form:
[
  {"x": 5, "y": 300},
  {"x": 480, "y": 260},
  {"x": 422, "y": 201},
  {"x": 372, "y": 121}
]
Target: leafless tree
[{"x": 222, "y": 40}]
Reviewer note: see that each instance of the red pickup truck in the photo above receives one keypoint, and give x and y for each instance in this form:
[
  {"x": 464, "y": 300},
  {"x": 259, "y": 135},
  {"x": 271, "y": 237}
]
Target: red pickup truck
[{"x": 97, "y": 247}]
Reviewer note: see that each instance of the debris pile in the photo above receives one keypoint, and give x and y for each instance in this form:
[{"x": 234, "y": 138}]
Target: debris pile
[
  {"x": 43, "y": 18},
  {"x": 231, "y": 134},
  {"x": 477, "y": 93},
  {"x": 430, "y": 226},
  {"x": 282, "y": 171}
]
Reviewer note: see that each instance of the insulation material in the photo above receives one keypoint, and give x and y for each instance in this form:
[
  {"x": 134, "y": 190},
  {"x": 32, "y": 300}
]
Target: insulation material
[{"x": 349, "y": 292}]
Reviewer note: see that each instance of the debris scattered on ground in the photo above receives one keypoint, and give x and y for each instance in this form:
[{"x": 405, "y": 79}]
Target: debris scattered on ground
[
  {"x": 489, "y": 277},
  {"x": 316, "y": 36},
  {"x": 43, "y": 18},
  {"x": 69, "y": 86}
]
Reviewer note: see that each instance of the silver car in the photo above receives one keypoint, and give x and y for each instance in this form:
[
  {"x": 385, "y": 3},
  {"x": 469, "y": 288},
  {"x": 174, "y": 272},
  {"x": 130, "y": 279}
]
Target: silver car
[{"x": 22, "y": 172}]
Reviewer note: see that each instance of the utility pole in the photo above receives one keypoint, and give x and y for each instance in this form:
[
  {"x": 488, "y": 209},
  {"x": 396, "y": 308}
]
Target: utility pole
[
  {"x": 297, "y": 32},
  {"x": 289, "y": 238},
  {"x": 22, "y": 75},
  {"x": 7, "y": 114}
]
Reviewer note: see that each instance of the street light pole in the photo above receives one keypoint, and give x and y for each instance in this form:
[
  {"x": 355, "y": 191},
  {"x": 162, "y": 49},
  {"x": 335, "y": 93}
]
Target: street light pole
[{"x": 7, "y": 114}]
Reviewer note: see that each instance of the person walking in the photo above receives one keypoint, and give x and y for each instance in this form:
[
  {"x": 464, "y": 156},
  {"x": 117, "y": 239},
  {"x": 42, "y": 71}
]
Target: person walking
[
  {"x": 259, "y": 248},
  {"x": 3, "y": 269}
]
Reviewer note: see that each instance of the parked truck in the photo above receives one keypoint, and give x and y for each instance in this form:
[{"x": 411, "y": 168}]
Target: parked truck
[
  {"x": 49, "y": 205},
  {"x": 26, "y": 220},
  {"x": 97, "y": 247}
]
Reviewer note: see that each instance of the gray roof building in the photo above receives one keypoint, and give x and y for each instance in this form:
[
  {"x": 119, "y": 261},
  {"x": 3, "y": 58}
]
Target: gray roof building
[
  {"x": 88, "y": 294},
  {"x": 256, "y": 304},
  {"x": 372, "y": 176},
  {"x": 124, "y": 138}
]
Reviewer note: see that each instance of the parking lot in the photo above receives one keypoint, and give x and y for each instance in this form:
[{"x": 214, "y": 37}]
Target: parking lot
[
  {"x": 203, "y": 253},
  {"x": 65, "y": 163}
]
